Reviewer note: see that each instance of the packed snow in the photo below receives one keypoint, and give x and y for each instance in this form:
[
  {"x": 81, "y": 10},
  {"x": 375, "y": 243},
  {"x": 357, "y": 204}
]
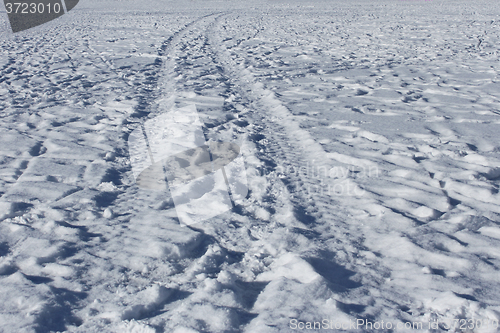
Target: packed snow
[{"x": 368, "y": 133}]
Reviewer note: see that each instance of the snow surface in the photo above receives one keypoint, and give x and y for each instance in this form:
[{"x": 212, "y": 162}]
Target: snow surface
[{"x": 370, "y": 134}]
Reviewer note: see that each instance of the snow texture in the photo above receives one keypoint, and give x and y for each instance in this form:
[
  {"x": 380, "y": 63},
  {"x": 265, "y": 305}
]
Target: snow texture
[{"x": 369, "y": 133}]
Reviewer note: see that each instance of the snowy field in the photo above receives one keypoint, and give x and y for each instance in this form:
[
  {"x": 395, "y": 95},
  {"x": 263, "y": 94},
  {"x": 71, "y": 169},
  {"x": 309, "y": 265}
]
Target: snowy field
[{"x": 370, "y": 132}]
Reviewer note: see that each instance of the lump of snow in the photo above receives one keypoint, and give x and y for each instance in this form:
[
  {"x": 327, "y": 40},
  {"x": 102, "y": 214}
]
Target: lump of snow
[{"x": 290, "y": 266}]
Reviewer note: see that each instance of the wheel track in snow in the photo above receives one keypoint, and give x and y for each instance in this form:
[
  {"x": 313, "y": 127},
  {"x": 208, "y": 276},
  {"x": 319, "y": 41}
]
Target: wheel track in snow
[
  {"x": 183, "y": 54},
  {"x": 276, "y": 145},
  {"x": 283, "y": 145},
  {"x": 194, "y": 62},
  {"x": 88, "y": 253},
  {"x": 175, "y": 53},
  {"x": 282, "y": 141},
  {"x": 197, "y": 60}
]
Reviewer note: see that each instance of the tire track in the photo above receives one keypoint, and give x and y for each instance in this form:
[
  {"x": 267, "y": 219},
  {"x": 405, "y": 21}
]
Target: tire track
[
  {"x": 281, "y": 146},
  {"x": 285, "y": 146},
  {"x": 243, "y": 243},
  {"x": 159, "y": 250},
  {"x": 91, "y": 235},
  {"x": 196, "y": 63}
]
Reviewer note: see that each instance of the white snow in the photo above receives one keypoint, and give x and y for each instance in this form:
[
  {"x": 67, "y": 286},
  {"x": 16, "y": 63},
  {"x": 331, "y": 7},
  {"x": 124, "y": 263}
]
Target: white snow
[{"x": 365, "y": 187}]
